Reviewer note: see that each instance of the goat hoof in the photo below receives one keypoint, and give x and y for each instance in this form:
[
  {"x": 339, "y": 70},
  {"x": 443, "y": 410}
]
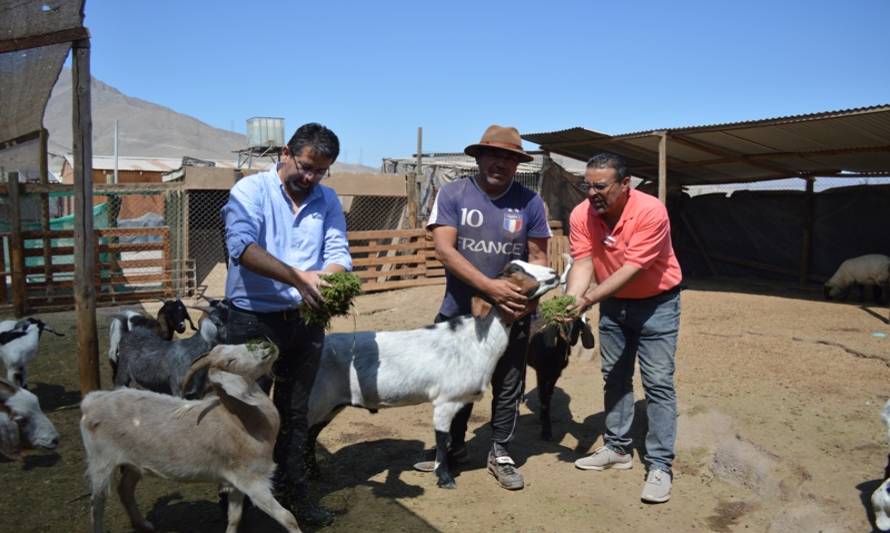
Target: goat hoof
[
  {"x": 447, "y": 484},
  {"x": 144, "y": 527}
]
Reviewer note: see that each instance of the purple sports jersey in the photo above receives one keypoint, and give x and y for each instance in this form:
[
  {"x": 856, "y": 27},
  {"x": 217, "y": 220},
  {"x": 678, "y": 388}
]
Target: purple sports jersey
[{"x": 491, "y": 232}]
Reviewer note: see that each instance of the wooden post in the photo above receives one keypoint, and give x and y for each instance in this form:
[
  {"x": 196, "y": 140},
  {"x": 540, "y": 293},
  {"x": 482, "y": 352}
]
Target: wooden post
[
  {"x": 418, "y": 175},
  {"x": 411, "y": 199},
  {"x": 662, "y": 167},
  {"x": 16, "y": 246},
  {"x": 806, "y": 248},
  {"x": 84, "y": 237},
  {"x": 44, "y": 217}
]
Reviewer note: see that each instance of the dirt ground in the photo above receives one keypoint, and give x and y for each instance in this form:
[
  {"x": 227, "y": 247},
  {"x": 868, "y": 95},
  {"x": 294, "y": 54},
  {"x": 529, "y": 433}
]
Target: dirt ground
[{"x": 779, "y": 431}]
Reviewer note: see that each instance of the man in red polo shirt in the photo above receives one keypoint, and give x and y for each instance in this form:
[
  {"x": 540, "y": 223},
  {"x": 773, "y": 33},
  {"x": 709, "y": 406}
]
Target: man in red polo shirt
[{"x": 623, "y": 260}]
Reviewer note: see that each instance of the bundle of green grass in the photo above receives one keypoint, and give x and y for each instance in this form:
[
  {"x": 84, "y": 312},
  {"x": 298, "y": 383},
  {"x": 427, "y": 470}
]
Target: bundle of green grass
[
  {"x": 336, "y": 299},
  {"x": 556, "y": 310}
]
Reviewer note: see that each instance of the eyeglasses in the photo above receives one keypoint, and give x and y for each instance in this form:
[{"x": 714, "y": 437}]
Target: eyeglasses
[
  {"x": 598, "y": 187},
  {"x": 309, "y": 171}
]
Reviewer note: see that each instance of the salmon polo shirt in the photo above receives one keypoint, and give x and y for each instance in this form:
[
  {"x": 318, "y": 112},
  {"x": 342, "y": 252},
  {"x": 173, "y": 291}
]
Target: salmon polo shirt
[{"x": 642, "y": 237}]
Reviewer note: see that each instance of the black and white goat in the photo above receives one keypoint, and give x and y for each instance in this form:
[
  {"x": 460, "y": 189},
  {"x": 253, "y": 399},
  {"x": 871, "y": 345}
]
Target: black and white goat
[
  {"x": 447, "y": 364},
  {"x": 148, "y": 362},
  {"x": 19, "y": 340},
  {"x": 171, "y": 318},
  {"x": 23, "y": 424}
]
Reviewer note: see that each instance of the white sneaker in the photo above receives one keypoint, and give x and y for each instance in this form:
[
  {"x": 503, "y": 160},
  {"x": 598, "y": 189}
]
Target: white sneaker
[
  {"x": 657, "y": 488},
  {"x": 604, "y": 458}
]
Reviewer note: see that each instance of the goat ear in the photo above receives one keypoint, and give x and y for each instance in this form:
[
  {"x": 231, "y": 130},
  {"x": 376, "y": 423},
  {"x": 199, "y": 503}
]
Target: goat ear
[
  {"x": 233, "y": 386},
  {"x": 479, "y": 307},
  {"x": 10, "y": 439}
]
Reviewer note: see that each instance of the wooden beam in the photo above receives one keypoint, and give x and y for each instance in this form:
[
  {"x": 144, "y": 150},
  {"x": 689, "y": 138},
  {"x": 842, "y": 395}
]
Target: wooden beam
[
  {"x": 411, "y": 199},
  {"x": 46, "y": 39},
  {"x": 16, "y": 246},
  {"x": 44, "y": 212},
  {"x": 806, "y": 154},
  {"x": 806, "y": 248},
  {"x": 21, "y": 139},
  {"x": 662, "y": 167},
  {"x": 84, "y": 240},
  {"x": 723, "y": 152}
]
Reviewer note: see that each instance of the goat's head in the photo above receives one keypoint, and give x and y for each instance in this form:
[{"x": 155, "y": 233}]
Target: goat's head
[
  {"x": 42, "y": 326},
  {"x": 533, "y": 281},
  {"x": 251, "y": 361},
  {"x": 568, "y": 334},
  {"x": 212, "y": 327},
  {"x": 175, "y": 315},
  {"x": 21, "y": 407}
]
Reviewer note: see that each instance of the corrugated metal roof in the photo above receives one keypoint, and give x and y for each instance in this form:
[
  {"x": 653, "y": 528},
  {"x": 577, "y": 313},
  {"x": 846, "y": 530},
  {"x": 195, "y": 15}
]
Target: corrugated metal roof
[{"x": 825, "y": 144}]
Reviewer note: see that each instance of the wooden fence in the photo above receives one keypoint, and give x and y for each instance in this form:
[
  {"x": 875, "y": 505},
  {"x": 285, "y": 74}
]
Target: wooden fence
[
  {"x": 394, "y": 259},
  {"x": 132, "y": 264},
  {"x": 398, "y": 259}
]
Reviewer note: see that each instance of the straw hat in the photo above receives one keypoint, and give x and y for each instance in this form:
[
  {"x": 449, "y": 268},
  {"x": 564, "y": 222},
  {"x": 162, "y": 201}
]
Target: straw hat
[{"x": 502, "y": 138}]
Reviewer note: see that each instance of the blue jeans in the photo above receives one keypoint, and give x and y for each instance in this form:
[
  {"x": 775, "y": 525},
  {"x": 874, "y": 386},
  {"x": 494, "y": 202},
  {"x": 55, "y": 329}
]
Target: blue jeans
[{"x": 648, "y": 328}]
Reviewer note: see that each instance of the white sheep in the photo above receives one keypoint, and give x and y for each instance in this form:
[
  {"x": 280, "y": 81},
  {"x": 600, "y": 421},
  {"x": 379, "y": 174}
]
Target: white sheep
[
  {"x": 23, "y": 424},
  {"x": 227, "y": 437},
  {"x": 866, "y": 270},
  {"x": 880, "y": 498},
  {"x": 18, "y": 345},
  {"x": 448, "y": 364}
]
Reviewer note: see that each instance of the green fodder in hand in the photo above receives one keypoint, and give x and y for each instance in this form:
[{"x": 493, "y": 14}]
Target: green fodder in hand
[
  {"x": 336, "y": 299},
  {"x": 555, "y": 310}
]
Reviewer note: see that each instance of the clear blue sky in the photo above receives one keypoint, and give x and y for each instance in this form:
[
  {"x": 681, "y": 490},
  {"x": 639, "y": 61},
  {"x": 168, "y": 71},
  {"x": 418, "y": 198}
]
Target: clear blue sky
[{"x": 375, "y": 71}]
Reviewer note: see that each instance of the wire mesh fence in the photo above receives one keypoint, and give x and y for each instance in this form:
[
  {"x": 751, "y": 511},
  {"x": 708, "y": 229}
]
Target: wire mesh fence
[{"x": 137, "y": 244}]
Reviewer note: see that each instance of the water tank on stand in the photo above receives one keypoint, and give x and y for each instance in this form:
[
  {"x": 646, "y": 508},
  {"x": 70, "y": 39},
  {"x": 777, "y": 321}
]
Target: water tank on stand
[
  {"x": 265, "y": 131},
  {"x": 265, "y": 138}
]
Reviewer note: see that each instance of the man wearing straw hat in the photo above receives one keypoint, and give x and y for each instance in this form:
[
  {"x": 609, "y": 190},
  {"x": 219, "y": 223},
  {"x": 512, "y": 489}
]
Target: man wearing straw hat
[{"x": 479, "y": 224}]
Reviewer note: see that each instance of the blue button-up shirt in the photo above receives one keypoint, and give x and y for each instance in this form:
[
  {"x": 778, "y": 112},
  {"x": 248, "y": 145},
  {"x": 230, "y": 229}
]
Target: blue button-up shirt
[{"x": 260, "y": 211}]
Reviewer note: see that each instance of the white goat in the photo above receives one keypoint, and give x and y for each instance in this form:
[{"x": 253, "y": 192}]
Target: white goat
[
  {"x": 866, "y": 270},
  {"x": 22, "y": 424},
  {"x": 18, "y": 345},
  {"x": 448, "y": 364},
  {"x": 880, "y": 498},
  {"x": 227, "y": 437}
]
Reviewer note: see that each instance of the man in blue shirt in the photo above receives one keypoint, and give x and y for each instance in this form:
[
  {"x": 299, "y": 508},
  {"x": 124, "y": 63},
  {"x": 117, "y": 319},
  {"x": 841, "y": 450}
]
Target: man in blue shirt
[
  {"x": 480, "y": 224},
  {"x": 283, "y": 231}
]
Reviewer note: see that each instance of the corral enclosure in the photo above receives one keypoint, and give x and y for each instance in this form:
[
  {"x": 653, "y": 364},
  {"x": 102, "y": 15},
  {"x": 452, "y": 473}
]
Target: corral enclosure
[{"x": 779, "y": 396}]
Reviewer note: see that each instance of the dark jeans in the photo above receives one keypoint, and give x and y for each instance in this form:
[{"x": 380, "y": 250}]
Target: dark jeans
[
  {"x": 507, "y": 387},
  {"x": 294, "y": 372}
]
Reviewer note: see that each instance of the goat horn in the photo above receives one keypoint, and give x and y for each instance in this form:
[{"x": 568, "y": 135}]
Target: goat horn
[
  {"x": 200, "y": 362},
  {"x": 51, "y": 330}
]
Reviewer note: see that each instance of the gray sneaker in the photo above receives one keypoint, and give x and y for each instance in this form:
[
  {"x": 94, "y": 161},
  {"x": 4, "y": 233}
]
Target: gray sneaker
[
  {"x": 504, "y": 470},
  {"x": 657, "y": 488},
  {"x": 604, "y": 458}
]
